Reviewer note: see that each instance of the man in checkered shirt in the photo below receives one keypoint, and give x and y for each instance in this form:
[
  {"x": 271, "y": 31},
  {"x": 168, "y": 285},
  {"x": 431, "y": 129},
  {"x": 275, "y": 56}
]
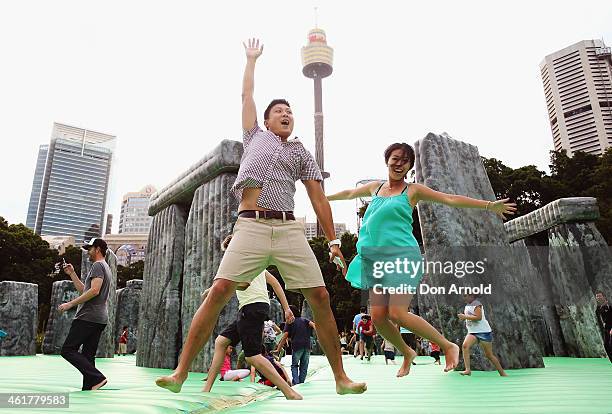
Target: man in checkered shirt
[{"x": 266, "y": 232}]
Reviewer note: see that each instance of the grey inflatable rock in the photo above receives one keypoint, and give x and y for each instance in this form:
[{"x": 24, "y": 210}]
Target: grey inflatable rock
[
  {"x": 449, "y": 234},
  {"x": 574, "y": 263},
  {"x": 128, "y": 307},
  {"x": 225, "y": 158},
  {"x": 159, "y": 323},
  {"x": 276, "y": 312},
  {"x": 574, "y": 298},
  {"x": 58, "y": 324},
  {"x": 211, "y": 218},
  {"x": 18, "y": 318}
]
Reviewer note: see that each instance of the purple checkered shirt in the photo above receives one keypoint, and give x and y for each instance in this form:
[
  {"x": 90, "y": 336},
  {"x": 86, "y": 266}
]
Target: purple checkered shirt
[{"x": 274, "y": 166}]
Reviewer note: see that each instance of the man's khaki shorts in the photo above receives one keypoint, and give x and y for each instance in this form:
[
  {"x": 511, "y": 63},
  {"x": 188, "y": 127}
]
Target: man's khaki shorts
[{"x": 257, "y": 244}]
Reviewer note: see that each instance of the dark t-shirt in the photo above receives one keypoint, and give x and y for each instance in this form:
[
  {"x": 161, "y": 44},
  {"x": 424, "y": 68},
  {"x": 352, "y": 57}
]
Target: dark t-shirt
[
  {"x": 299, "y": 333},
  {"x": 94, "y": 310},
  {"x": 604, "y": 317}
]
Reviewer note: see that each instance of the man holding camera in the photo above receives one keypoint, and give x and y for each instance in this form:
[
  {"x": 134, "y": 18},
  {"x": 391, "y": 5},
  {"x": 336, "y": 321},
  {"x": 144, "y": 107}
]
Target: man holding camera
[{"x": 91, "y": 316}]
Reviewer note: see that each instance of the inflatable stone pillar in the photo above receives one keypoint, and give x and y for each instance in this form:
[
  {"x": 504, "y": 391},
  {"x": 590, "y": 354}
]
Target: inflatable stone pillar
[
  {"x": 128, "y": 307},
  {"x": 453, "y": 234},
  {"x": 193, "y": 214},
  {"x": 159, "y": 322},
  {"x": 18, "y": 318},
  {"x": 58, "y": 324},
  {"x": 276, "y": 312},
  {"x": 571, "y": 289},
  {"x": 573, "y": 263},
  {"x": 211, "y": 218}
]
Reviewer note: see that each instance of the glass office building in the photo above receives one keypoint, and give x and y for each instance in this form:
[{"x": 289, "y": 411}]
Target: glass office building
[{"x": 70, "y": 187}]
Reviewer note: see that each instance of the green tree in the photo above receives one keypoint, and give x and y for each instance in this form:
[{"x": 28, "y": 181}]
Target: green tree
[
  {"x": 345, "y": 300},
  {"x": 125, "y": 273},
  {"x": 582, "y": 175}
]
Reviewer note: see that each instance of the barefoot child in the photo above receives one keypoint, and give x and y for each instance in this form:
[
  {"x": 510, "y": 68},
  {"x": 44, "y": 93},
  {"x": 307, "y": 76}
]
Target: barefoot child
[
  {"x": 479, "y": 331},
  {"x": 389, "y": 350}
]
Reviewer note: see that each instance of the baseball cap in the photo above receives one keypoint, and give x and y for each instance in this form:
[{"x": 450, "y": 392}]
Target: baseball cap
[{"x": 95, "y": 242}]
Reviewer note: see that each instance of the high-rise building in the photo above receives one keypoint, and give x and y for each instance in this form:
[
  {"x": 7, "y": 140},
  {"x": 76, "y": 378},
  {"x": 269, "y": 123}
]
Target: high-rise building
[
  {"x": 70, "y": 186},
  {"x": 310, "y": 229},
  {"x": 109, "y": 224},
  {"x": 39, "y": 173},
  {"x": 578, "y": 92},
  {"x": 134, "y": 216}
]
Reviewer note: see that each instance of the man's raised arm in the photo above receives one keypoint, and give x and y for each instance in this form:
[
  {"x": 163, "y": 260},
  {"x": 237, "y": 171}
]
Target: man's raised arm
[{"x": 249, "y": 113}]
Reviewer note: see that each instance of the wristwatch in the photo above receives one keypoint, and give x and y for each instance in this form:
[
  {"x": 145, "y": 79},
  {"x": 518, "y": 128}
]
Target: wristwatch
[{"x": 335, "y": 242}]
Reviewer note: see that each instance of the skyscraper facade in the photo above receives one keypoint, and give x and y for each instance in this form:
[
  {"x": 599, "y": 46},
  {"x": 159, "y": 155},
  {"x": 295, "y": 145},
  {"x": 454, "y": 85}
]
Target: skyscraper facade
[
  {"x": 578, "y": 91},
  {"x": 70, "y": 186},
  {"x": 134, "y": 216}
]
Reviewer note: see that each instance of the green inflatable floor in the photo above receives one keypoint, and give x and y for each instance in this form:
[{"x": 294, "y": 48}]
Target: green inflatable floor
[{"x": 566, "y": 385}]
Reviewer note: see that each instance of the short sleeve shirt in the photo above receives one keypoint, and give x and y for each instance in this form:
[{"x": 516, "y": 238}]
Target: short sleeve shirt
[
  {"x": 274, "y": 166},
  {"x": 299, "y": 332},
  {"x": 94, "y": 310}
]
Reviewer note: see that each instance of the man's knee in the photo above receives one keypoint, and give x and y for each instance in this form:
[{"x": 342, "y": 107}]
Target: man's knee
[{"x": 222, "y": 290}]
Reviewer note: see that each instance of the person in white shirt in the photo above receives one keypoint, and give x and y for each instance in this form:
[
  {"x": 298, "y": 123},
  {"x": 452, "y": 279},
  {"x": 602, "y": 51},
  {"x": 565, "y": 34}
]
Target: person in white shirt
[{"x": 479, "y": 331}]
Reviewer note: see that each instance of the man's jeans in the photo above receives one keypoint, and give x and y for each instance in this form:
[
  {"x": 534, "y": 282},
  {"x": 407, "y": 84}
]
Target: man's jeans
[{"x": 299, "y": 357}]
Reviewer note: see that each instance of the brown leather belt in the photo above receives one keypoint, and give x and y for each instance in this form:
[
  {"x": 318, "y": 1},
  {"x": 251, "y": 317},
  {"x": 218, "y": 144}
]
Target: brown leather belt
[{"x": 288, "y": 215}]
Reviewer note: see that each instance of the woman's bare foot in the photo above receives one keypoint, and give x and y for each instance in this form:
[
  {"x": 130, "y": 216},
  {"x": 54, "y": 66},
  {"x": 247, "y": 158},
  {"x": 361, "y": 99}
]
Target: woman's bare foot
[
  {"x": 466, "y": 372},
  {"x": 405, "y": 368},
  {"x": 99, "y": 385},
  {"x": 503, "y": 374},
  {"x": 172, "y": 382},
  {"x": 451, "y": 357},
  {"x": 349, "y": 387}
]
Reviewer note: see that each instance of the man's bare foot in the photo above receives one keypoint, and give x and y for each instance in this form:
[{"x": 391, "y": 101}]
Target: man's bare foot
[
  {"x": 99, "y": 385},
  {"x": 405, "y": 368},
  {"x": 451, "y": 357},
  {"x": 466, "y": 372},
  {"x": 170, "y": 382},
  {"x": 349, "y": 387},
  {"x": 503, "y": 374},
  {"x": 293, "y": 395}
]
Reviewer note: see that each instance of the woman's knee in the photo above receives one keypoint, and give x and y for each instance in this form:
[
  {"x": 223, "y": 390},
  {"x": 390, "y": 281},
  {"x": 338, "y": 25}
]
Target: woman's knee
[
  {"x": 396, "y": 313},
  {"x": 379, "y": 315}
]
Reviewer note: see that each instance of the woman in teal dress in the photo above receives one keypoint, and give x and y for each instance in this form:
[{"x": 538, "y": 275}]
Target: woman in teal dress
[{"x": 387, "y": 225}]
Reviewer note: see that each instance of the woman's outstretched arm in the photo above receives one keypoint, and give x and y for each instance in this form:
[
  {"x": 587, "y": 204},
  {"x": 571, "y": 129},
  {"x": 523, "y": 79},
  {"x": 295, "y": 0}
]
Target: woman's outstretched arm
[
  {"x": 499, "y": 207},
  {"x": 365, "y": 190}
]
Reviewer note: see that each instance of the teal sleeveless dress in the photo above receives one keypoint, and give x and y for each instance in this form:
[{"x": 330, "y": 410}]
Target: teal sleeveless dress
[{"x": 386, "y": 223}]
